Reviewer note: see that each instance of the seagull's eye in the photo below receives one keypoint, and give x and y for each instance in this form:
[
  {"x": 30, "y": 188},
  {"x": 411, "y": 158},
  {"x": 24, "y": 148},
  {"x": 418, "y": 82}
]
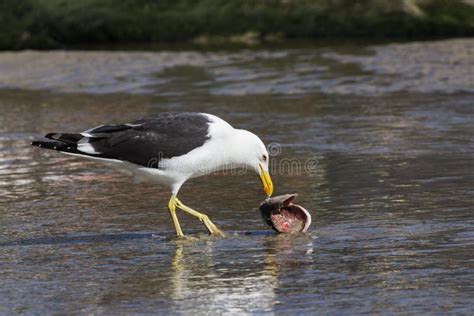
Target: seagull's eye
[{"x": 264, "y": 157}]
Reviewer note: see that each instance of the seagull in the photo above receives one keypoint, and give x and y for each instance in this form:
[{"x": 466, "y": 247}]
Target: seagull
[{"x": 168, "y": 149}]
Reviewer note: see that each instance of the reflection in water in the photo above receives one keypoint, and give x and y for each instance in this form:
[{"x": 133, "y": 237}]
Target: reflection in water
[
  {"x": 222, "y": 288},
  {"x": 390, "y": 194},
  {"x": 248, "y": 284}
]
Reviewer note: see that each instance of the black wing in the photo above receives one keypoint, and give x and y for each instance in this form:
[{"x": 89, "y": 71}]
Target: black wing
[{"x": 143, "y": 142}]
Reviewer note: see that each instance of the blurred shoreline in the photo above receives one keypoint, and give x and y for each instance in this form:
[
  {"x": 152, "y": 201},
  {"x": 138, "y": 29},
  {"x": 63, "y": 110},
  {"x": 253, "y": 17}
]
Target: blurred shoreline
[
  {"x": 441, "y": 66},
  {"x": 63, "y": 24}
]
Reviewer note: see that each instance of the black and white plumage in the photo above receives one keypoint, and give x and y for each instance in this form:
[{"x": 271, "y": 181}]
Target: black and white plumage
[
  {"x": 168, "y": 149},
  {"x": 144, "y": 142}
]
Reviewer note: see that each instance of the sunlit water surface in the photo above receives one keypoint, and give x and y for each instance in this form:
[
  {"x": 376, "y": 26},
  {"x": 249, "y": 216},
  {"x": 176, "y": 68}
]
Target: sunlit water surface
[{"x": 382, "y": 144}]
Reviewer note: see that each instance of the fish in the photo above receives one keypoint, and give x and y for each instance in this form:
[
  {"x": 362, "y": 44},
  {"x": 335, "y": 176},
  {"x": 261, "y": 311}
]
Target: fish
[{"x": 283, "y": 216}]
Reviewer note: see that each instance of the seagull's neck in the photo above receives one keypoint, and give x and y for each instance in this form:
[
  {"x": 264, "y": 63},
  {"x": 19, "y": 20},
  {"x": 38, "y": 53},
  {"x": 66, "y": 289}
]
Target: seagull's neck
[
  {"x": 234, "y": 148},
  {"x": 238, "y": 149}
]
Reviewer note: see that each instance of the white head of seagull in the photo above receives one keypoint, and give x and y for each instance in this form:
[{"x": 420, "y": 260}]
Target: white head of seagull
[
  {"x": 250, "y": 152},
  {"x": 168, "y": 149}
]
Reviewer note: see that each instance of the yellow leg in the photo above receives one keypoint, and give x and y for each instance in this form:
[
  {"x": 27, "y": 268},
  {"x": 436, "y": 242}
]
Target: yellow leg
[
  {"x": 172, "y": 208},
  {"x": 202, "y": 217}
]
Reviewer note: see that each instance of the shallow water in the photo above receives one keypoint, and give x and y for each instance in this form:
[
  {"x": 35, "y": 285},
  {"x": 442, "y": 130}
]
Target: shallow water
[{"x": 377, "y": 140}]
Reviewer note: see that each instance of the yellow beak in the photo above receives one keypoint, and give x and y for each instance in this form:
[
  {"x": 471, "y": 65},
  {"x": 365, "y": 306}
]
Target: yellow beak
[{"x": 266, "y": 181}]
